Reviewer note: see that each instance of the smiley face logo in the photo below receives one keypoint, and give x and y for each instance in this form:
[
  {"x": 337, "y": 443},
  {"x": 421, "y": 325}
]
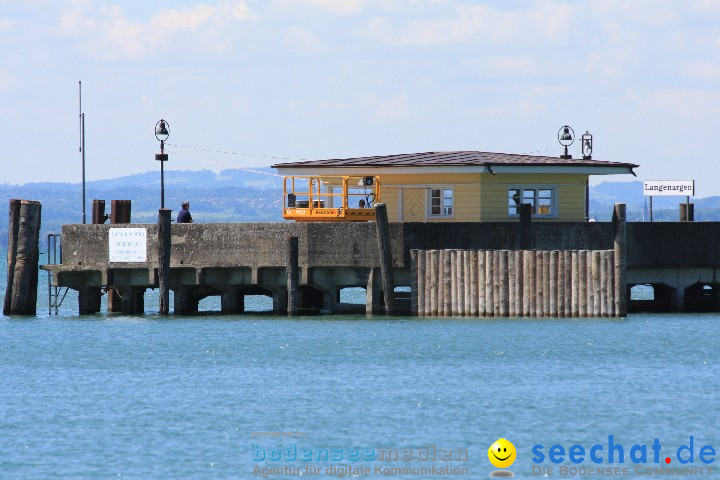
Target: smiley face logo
[{"x": 501, "y": 453}]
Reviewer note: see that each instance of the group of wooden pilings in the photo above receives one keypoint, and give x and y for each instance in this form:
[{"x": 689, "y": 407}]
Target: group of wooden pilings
[
  {"x": 522, "y": 283},
  {"x": 22, "y": 257},
  {"x": 516, "y": 283}
]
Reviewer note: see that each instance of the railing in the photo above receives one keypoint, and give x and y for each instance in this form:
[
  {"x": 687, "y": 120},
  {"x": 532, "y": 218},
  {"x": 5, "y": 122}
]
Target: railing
[{"x": 54, "y": 254}]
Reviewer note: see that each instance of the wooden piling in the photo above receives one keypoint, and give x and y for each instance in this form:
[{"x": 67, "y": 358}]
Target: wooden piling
[
  {"x": 568, "y": 283},
  {"x": 120, "y": 211},
  {"x": 447, "y": 283},
  {"x": 512, "y": 276},
  {"x": 603, "y": 283},
  {"x": 497, "y": 293},
  {"x": 489, "y": 287},
  {"x": 575, "y": 287},
  {"x": 473, "y": 281},
  {"x": 421, "y": 283},
  {"x": 428, "y": 283},
  {"x": 553, "y": 274},
  {"x": 414, "y": 279},
  {"x": 453, "y": 283},
  {"x": 544, "y": 270},
  {"x": 502, "y": 281},
  {"x": 482, "y": 302},
  {"x": 292, "y": 270},
  {"x": 560, "y": 284},
  {"x": 596, "y": 283},
  {"x": 528, "y": 284},
  {"x": 619, "y": 224},
  {"x": 98, "y": 212},
  {"x": 610, "y": 283},
  {"x": 582, "y": 284},
  {"x": 519, "y": 265},
  {"x": 164, "y": 247},
  {"x": 466, "y": 282},
  {"x": 386, "y": 262},
  {"x": 23, "y": 256},
  {"x": 434, "y": 282}
]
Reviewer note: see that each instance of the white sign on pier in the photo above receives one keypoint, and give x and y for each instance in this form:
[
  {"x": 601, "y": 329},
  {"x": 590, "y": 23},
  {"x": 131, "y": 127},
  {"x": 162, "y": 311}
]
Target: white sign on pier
[
  {"x": 656, "y": 188},
  {"x": 127, "y": 245}
]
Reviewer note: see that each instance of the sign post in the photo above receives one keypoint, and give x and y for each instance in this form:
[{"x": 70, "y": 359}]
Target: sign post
[{"x": 666, "y": 188}]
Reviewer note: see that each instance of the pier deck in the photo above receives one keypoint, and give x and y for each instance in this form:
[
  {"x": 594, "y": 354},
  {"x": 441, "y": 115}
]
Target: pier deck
[{"x": 231, "y": 260}]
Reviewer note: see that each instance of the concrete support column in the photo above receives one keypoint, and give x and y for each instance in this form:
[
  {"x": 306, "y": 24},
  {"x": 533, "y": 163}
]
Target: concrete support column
[
  {"x": 133, "y": 300},
  {"x": 185, "y": 302},
  {"x": 280, "y": 301},
  {"x": 89, "y": 300},
  {"x": 374, "y": 293},
  {"x": 232, "y": 302}
]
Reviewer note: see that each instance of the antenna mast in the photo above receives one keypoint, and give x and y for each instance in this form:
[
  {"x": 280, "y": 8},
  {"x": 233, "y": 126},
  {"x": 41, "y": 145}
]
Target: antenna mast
[{"x": 82, "y": 149}]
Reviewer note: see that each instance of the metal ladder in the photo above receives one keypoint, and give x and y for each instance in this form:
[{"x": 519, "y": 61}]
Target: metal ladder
[{"x": 54, "y": 254}]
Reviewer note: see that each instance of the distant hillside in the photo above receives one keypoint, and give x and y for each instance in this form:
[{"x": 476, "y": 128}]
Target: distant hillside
[{"x": 255, "y": 196}]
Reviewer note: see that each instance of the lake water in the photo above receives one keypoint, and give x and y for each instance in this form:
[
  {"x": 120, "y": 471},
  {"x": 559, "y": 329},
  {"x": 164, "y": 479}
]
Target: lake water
[{"x": 111, "y": 396}]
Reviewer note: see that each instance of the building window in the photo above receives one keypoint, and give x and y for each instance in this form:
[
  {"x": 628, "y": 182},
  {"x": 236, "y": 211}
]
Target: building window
[
  {"x": 541, "y": 199},
  {"x": 441, "y": 202}
]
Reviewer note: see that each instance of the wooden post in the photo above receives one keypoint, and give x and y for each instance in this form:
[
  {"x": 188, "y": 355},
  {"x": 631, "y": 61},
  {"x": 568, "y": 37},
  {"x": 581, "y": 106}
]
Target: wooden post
[
  {"x": 575, "y": 287},
  {"x": 120, "y": 211},
  {"x": 561, "y": 284},
  {"x": 527, "y": 287},
  {"x": 609, "y": 285},
  {"x": 620, "y": 260},
  {"x": 489, "y": 277},
  {"x": 525, "y": 211},
  {"x": 582, "y": 283},
  {"x": 447, "y": 283},
  {"x": 440, "y": 282},
  {"x": 482, "y": 302},
  {"x": 453, "y": 284},
  {"x": 535, "y": 299},
  {"x": 503, "y": 281},
  {"x": 386, "y": 265},
  {"x": 421, "y": 283},
  {"x": 687, "y": 212},
  {"x": 603, "y": 282},
  {"x": 497, "y": 284},
  {"x": 597, "y": 300},
  {"x": 467, "y": 282},
  {"x": 519, "y": 266},
  {"x": 590, "y": 291},
  {"x": 292, "y": 271},
  {"x": 434, "y": 282},
  {"x": 428, "y": 283},
  {"x": 473, "y": 281},
  {"x": 512, "y": 277},
  {"x": 553, "y": 274},
  {"x": 23, "y": 256},
  {"x": 13, "y": 226},
  {"x": 164, "y": 247},
  {"x": 413, "y": 282},
  {"x": 98, "y": 212},
  {"x": 568, "y": 283}
]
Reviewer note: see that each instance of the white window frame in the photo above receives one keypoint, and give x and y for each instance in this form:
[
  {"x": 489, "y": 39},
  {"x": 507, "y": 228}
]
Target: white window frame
[
  {"x": 442, "y": 214},
  {"x": 553, "y": 200}
]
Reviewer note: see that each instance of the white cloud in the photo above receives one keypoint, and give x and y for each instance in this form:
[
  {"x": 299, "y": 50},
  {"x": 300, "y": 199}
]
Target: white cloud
[
  {"x": 108, "y": 33},
  {"x": 476, "y": 22},
  {"x": 337, "y": 7}
]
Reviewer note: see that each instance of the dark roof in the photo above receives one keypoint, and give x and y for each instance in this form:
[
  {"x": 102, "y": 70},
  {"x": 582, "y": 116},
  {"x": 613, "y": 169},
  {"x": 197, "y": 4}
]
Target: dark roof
[{"x": 443, "y": 159}]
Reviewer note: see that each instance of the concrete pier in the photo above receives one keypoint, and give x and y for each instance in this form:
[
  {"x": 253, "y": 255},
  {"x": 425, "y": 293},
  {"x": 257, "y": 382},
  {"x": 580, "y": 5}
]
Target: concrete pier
[{"x": 679, "y": 260}]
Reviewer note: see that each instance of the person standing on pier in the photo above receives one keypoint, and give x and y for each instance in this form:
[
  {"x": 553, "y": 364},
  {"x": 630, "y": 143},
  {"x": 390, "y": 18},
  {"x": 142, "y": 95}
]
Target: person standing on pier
[{"x": 184, "y": 215}]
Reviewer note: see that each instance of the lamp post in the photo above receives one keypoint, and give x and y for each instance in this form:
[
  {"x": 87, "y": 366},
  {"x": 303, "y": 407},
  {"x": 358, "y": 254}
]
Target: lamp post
[
  {"x": 566, "y": 137},
  {"x": 162, "y": 132},
  {"x": 587, "y": 145}
]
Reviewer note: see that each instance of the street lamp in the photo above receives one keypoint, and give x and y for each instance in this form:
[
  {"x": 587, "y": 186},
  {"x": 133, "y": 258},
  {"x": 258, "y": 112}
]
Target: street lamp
[
  {"x": 587, "y": 145},
  {"x": 566, "y": 137},
  {"x": 162, "y": 132}
]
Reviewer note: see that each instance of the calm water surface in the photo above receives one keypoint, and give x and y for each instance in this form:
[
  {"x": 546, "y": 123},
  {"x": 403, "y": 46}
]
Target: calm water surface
[{"x": 112, "y": 396}]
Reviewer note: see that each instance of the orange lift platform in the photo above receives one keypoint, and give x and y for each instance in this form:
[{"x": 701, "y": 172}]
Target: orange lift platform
[{"x": 343, "y": 198}]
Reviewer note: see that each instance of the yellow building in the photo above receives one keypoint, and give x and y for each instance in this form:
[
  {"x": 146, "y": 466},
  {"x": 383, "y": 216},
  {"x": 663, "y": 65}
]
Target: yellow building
[{"x": 469, "y": 186}]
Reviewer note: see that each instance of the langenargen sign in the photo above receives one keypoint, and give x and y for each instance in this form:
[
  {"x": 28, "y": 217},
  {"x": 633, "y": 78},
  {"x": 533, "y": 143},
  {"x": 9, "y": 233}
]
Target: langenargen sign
[{"x": 653, "y": 188}]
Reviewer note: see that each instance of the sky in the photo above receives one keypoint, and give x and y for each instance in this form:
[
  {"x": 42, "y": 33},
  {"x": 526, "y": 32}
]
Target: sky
[{"x": 289, "y": 80}]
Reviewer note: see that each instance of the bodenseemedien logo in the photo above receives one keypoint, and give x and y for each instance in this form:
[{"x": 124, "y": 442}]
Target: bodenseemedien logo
[{"x": 502, "y": 454}]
